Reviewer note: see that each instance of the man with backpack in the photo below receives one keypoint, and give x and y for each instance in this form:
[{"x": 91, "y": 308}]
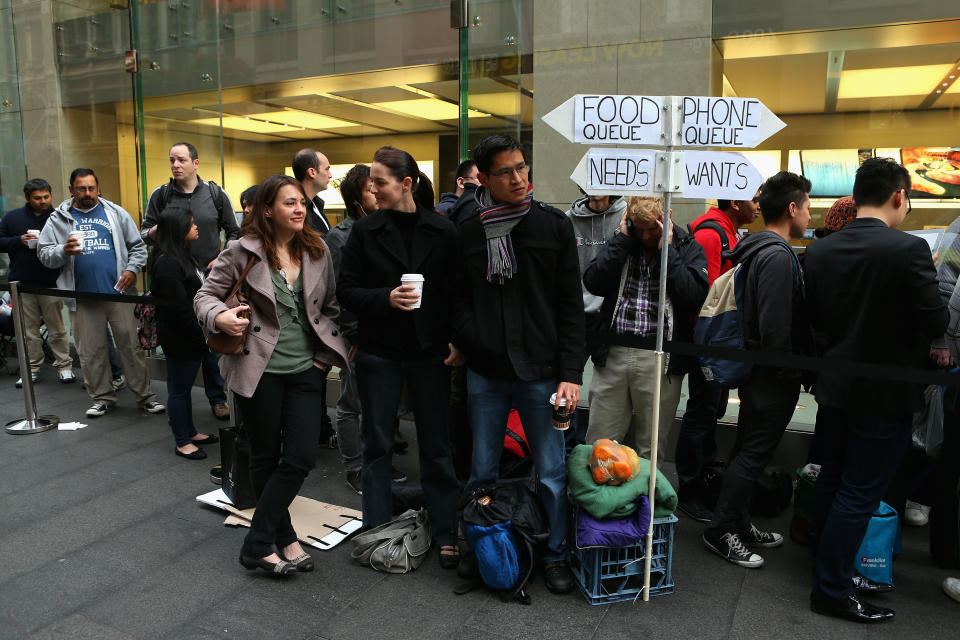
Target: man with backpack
[
  {"x": 773, "y": 322},
  {"x": 872, "y": 294},
  {"x": 212, "y": 212},
  {"x": 696, "y": 457}
]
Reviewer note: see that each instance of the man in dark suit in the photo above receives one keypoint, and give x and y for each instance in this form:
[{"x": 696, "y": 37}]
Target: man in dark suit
[
  {"x": 312, "y": 169},
  {"x": 872, "y": 294}
]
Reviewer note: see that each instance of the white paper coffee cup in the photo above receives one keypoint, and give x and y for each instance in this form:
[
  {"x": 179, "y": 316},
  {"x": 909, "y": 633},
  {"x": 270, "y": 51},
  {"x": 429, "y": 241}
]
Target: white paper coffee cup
[
  {"x": 78, "y": 234},
  {"x": 32, "y": 242},
  {"x": 415, "y": 279}
]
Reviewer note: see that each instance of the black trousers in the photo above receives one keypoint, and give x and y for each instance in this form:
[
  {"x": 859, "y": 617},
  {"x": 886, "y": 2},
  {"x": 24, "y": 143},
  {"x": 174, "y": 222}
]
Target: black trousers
[
  {"x": 381, "y": 383},
  {"x": 281, "y": 423},
  {"x": 767, "y": 403},
  {"x": 696, "y": 442}
]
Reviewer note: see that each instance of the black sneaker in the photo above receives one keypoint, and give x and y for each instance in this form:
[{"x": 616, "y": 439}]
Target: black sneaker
[
  {"x": 729, "y": 547},
  {"x": 696, "y": 509},
  {"x": 397, "y": 476},
  {"x": 216, "y": 474},
  {"x": 756, "y": 538},
  {"x": 353, "y": 480},
  {"x": 557, "y": 577}
]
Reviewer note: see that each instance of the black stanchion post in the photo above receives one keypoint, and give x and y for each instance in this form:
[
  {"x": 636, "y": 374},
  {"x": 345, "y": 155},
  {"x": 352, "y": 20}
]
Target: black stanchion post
[{"x": 32, "y": 423}]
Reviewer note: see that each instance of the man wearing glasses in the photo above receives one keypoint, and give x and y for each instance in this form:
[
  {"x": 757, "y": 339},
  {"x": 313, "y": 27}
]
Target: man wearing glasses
[
  {"x": 519, "y": 322},
  {"x": 872, "y": 294}
]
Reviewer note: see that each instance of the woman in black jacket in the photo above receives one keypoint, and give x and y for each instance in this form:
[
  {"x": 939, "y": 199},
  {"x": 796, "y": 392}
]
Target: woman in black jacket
[
  {"x": 175, "y": 276},
  {"x": 402, "y": 342}
]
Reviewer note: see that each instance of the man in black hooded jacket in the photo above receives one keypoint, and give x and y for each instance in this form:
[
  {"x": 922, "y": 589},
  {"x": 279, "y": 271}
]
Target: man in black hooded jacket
[{"x": 773, "y": 322}]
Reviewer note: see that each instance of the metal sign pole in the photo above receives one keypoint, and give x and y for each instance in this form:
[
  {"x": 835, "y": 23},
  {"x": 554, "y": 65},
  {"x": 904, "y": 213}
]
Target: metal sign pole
[{"x": 32, "y": 423}]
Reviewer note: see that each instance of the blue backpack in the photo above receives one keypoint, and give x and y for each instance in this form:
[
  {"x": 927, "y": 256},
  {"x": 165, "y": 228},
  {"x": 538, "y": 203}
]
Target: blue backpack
[{"x": 720, "y": 324}]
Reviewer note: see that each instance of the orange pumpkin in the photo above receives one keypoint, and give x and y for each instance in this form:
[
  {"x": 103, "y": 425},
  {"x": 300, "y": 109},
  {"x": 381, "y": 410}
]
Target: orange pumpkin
[{"x": 613, "y": 463}]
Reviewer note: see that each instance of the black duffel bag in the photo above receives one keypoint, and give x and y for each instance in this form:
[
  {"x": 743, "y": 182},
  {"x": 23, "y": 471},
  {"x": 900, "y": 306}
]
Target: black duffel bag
[{"x": 235, "y": 459}]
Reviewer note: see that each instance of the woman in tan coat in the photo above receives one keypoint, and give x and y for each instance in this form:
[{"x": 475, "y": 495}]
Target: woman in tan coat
[{"x": 291, "y": 343}]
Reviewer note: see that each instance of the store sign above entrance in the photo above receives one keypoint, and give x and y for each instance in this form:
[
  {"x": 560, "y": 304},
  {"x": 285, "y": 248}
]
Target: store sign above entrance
[
  {"x": 646, "y": 172},
  {"x": 673, "y": 121}
]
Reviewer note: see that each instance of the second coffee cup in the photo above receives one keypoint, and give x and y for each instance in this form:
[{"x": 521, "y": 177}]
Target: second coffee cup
[{"x": 415, "y": 279}]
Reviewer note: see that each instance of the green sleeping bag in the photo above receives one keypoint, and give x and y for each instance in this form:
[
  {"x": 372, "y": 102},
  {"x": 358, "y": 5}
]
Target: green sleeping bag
[{"x": 605, "y": 501}]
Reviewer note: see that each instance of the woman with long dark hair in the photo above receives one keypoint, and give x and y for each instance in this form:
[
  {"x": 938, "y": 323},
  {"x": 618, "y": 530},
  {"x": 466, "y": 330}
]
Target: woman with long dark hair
[
  {"x": 403, "y": 337},
  {"x": 291, "y": 343},
  {"x": 175, "y": 276}
]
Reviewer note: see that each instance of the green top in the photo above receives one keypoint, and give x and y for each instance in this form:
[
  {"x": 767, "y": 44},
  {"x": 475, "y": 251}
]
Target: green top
[{"x": 295, "y": 345}]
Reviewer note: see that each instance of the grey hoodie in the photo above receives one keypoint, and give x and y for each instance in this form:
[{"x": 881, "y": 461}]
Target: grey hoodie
[
  {"x": 592, "y": 231},
  {"x": 130, "y": 249}
]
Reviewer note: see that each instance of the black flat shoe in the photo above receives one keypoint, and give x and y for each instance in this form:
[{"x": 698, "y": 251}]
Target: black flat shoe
[
  {"x": 449, "y": 560},
  {"x": 302, "y": 562},
  {"x": 210, "y": 439},
  {"x": 850, "y": 608},
  {"x": 282, "y": 568},
  {"x": 199, "y": 454}
]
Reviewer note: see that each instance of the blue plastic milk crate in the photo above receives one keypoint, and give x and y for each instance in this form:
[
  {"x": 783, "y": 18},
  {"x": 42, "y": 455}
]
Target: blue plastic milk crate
[{"x": 615, "y": 574}]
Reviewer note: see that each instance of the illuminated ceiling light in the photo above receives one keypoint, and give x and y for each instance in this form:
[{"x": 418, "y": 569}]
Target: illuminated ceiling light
[
  {"x": 242, "y": 124},
  {"x": 305, "y": 119},
  {"x": 429, "y": 109},
  {"x": 891, "y": 81},
  {"x": 939, "y": 91}
]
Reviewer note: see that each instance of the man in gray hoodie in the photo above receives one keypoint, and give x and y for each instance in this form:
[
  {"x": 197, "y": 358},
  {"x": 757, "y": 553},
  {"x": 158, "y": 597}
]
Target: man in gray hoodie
[
  {"x": 97, "y": 248},
  {"x": 595, "y": 220}
]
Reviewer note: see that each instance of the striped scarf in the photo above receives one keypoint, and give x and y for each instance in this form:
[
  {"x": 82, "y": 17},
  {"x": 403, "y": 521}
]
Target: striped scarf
[{"x": 498, "y": 221}]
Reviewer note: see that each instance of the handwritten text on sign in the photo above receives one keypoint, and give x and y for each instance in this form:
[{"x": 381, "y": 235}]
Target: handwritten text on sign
[
  {"x": 620, "y": 171},
  {"x": 719, "y": 174},
  {"x": 720, "y": 122},
  {"x": 605, "y": 119}
]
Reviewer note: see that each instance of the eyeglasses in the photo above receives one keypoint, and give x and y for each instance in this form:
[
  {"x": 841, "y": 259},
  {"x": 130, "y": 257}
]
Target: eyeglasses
[
  {"x": 909, "y": 204},
  {"x": 521, "y": 170}
]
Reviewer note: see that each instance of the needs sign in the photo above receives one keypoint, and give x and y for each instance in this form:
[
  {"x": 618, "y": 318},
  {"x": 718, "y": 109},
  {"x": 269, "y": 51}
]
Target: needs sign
[{"x": 646, "y": 172}]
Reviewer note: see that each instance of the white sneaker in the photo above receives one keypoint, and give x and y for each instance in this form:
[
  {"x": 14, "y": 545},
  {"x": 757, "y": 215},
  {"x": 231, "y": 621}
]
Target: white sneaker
[
  {"x": 66, "y": 376},
  {"x": 951, "y": 587},
  {"x": 916, "y": 514},
  {"x": 34, "y": 377},
  {"x": 97, "y": 410},
  {"x": 154, "y": 407}
]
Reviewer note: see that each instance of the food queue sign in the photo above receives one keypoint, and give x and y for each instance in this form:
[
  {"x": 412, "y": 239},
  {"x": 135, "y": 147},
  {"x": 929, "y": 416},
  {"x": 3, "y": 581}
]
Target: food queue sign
[{"x": 669, "y": 122}]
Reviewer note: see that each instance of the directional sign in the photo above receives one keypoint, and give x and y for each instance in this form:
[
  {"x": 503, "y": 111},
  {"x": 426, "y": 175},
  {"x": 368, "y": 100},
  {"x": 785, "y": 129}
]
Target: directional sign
[
  {"x": 626, "y": 172},
  {"x": 645, "y": 172},
  {"x": 725, "y": 122},
  {"x": 725, "y": 175},
  {"x": 688, "y": 121}
]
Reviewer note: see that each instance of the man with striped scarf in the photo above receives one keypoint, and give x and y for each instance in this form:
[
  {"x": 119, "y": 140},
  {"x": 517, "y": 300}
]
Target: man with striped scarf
[{"x": 519, "y": 322}]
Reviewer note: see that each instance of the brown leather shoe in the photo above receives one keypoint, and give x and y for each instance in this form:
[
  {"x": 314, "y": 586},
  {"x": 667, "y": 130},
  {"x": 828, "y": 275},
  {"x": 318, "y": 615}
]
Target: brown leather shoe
[{"x": 221, "y": 411}]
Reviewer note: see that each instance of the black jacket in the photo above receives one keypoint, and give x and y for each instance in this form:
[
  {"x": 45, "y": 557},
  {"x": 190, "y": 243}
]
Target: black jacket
[
  {"x": 465, "y": 206},
  {"x": 774, "y": 315},
  {"x": 530, "y": 327},
  {"x": 336, "y": 239},
  {"x": 686, "y": 287},
  {"x": 180, "y": 335},
  {"x": 24, "y": 264},
  {"x": 316, "y": 218},
  {"x": 374, "y": 258},
  {"x": 872, "y": 293}
]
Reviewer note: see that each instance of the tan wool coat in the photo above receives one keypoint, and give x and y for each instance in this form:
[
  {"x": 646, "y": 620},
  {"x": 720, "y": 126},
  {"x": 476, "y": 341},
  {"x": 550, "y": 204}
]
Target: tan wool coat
[{"x": 242, "y": 372}]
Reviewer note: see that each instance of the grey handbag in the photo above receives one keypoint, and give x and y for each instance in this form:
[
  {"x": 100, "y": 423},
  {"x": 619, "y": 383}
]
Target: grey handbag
[{"x": 397, "y": 546}]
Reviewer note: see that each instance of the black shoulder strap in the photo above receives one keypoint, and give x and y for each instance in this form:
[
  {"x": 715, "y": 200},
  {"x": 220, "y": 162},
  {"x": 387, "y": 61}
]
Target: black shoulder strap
[
  {"x": 712, "y": 224},
  {"x": 216, "y": 194},
  {"x": 162, "y": 194}
]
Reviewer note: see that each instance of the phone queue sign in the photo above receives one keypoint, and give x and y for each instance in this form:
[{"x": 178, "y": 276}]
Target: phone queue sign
[{"x": 688, "y": 121}]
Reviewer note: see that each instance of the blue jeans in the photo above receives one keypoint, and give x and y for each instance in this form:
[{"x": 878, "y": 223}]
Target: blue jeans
[
  {"x": 862, "y": 451},
  {"x": 490, "y": 401},
  {"x": 180, "y": 377},
  {"x": 212, "y": 380},
  {"x": 381, "y": 382}
]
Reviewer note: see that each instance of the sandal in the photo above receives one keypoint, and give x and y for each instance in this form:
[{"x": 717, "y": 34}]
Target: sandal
[{"x": 449, "y": 556}]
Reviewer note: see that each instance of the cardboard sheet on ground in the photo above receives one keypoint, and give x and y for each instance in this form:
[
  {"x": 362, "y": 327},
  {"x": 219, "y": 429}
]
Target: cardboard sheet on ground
[{"x": 318, "y": 524}]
